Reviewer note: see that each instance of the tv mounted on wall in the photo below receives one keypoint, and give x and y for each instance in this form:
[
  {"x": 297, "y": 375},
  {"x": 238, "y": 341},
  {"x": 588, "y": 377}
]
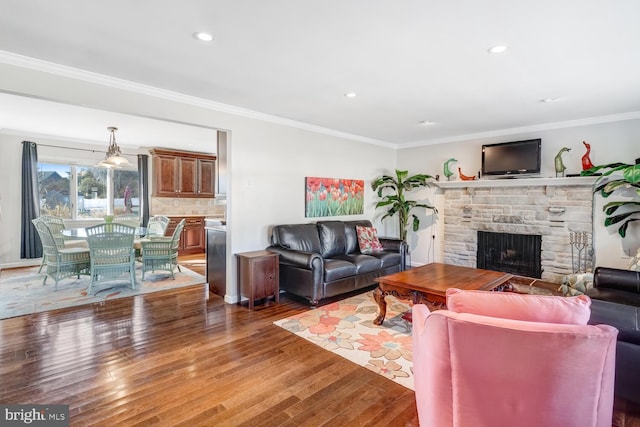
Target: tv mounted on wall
[{"x": 510, "y": 159}]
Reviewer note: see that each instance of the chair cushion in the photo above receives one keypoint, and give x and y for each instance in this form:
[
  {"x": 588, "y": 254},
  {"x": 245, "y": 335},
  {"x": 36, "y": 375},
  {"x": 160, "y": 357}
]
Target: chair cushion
[
  {"x": 332, "y": 238},
  {"x": 76, "y": 244},
  {"x": 510, "y": 305},
  {"x": 388, "y": 259},
  {"x": 335, "y": 269},
  {"x": 78, "y": 250},
  {"x": 368, "y": 240},
  {"x": 297, "y": 237},
  {"x": 363, "y": 263}
]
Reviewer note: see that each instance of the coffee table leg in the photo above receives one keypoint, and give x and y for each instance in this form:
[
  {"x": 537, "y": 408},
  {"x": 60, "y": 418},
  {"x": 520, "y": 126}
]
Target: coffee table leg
[{"x": 378, "y": 295}]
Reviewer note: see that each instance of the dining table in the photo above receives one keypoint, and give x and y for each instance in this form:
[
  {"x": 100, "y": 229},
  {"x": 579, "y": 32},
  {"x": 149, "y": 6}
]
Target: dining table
[{"x": 80, "y": 233}]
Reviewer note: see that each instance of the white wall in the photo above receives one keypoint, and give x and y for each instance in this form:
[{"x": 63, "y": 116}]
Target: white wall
[
  {"x": 267, "y": 162},
  {"x": 610, "y": 142}
]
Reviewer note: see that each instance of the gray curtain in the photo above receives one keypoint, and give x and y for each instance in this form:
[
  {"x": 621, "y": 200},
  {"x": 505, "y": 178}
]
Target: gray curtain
[
  {"x": 143, "y": 177},
  {"x": 30, "y": 245}
]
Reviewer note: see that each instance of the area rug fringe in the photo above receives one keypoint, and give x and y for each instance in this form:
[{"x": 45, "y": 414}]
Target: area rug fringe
[{"x": 346, "y": 328}]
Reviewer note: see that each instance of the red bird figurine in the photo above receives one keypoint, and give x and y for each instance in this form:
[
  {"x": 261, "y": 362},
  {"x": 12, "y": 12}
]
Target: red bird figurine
[
  {"x": 586, "y": 161},
  {"x": 465, "y": 177}
]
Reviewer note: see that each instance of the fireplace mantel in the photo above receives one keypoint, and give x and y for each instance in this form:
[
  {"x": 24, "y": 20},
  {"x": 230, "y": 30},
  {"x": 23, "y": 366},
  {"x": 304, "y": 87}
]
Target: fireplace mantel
[{"x": 518, "y": 182}]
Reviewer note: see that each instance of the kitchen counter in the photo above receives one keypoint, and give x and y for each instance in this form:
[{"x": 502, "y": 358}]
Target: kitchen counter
[{"x": 215, "y": 224}]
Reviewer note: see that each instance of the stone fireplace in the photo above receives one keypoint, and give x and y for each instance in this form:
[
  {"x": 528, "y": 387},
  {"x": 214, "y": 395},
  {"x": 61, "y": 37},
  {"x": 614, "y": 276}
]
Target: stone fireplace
[{"x": 546, "y": 207}]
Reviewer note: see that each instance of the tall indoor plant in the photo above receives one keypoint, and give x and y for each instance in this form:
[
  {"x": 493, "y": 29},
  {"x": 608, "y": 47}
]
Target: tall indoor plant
[
  {"x": 395, "y": 200},
  {"x": 618, "y": 177}
]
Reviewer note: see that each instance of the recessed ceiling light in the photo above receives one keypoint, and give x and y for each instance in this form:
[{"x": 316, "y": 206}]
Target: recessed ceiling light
[
  {"x": 549, "y": 100},
  {"x": 497, "y": 49},
  {"x": 350, "y": 95},
  {"x": 426, "y": 123},
  {"x": 203, "y": 37}
]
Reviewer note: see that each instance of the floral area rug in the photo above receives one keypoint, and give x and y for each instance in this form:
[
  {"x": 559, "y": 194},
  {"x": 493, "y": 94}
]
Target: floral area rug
[
  {"x": 346, "y": 328},
  {"x": 22, "y": 292}
]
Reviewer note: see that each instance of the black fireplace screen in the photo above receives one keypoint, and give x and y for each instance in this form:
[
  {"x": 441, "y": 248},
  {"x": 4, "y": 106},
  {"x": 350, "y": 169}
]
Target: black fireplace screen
[{"x": 510, "y": 253}]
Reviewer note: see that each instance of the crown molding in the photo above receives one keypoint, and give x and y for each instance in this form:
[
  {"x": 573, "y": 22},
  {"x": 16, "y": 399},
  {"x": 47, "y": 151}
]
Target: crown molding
[
  {"x": 527, "y": 129},
  {"x": 121, "y": 84},
  {"x": 117, "y": 83}
]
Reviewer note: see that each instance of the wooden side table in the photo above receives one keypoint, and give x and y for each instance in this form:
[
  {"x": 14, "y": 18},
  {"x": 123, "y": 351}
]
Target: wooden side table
[{"x": 258, "y": 276}]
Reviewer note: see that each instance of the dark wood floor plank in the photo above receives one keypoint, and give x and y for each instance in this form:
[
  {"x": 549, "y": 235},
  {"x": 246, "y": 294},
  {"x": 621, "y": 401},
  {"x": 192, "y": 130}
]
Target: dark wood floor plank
[{"x": 185, "y": 357}]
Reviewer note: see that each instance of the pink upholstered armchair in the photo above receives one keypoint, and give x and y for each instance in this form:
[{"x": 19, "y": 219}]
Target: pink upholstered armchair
[{"x": 475, "y": 365}]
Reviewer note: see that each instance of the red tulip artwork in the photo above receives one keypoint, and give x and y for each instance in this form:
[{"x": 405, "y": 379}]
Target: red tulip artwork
[{"x": 333, "y": 197}]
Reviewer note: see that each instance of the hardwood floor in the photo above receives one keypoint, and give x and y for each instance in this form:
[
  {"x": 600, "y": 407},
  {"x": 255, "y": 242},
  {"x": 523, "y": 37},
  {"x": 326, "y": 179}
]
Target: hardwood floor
[
  {"x": 184, "y": 357},
  {"x": 178, "y": 358}
]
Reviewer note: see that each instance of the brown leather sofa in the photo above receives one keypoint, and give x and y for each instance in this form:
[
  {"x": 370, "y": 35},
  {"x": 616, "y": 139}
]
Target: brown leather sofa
[
  {"x": 615, "y": 301},
  {"x": 322, "y": 260}
]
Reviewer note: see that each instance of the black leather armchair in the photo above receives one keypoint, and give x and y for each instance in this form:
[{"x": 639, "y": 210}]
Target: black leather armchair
[
  {"x": 323, "y": 260},
  {"x": 615, "y": 301}
]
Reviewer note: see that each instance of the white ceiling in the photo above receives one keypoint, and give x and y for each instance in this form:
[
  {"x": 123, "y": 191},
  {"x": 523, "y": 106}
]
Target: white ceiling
[
  {"x": 35, "y": 117},
  {"x": 407, "y": 61}
]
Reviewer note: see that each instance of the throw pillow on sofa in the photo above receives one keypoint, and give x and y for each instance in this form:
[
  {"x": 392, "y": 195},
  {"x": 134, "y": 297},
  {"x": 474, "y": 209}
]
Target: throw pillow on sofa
[
  {"x": 510, "y": 305},
  {"x": 634, "y": 264},
  {"x": 368, "y": 240},
  {"x": 576, "y": 284}
]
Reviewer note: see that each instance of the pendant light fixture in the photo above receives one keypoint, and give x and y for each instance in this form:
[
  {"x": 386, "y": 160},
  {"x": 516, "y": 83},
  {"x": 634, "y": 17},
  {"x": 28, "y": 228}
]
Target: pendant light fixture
[{"x": 114, "y": 158}]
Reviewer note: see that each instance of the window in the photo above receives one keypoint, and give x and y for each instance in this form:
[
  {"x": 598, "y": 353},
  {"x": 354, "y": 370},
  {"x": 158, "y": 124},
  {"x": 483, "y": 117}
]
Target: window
[
  {"x": 125, "y": 186},
  {"x": 92, "y": 192},
  {"x": 54, "y": 189},
  {"x": 77, "y": 192}
]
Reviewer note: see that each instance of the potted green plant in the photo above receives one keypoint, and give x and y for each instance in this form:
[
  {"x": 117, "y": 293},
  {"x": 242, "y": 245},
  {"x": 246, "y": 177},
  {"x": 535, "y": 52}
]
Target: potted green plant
[
  {"x": 395, "y": 199},
  {"x": 618, "y": 177}
]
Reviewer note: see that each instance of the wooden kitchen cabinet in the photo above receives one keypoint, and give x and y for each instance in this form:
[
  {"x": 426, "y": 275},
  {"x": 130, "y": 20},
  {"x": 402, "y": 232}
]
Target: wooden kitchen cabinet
[
  {"x": 183, "y": 174},
  {"x": 258, "y": 276},
  {"x": 206, "y": 173},
  {"x": 192, "y": 240}
]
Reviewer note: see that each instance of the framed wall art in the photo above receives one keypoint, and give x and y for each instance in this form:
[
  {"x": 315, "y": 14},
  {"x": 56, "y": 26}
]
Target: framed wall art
[{"x": 333, "y": 197}]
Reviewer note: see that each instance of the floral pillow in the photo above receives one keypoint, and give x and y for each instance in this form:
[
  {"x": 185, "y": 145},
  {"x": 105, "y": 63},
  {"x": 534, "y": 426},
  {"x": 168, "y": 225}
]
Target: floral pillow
[
  {"x": 368, "y": 240},
  {"x": 634, "y": 264}
]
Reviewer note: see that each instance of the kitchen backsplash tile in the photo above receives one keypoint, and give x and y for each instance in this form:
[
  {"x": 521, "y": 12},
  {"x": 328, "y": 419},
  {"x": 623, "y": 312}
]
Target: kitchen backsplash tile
[{"x": 185, "y": 206}]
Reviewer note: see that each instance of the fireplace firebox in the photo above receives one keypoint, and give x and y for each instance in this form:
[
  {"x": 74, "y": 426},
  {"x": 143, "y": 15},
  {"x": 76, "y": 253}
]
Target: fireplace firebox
[{"x": 510, "y": 253}]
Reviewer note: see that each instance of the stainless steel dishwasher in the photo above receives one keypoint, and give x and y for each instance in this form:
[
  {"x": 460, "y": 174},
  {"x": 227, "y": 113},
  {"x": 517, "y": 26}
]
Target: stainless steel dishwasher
[{"x": 216, "y": 255}]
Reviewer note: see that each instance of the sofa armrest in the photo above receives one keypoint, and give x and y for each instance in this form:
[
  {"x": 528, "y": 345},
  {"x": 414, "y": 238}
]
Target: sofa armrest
[
  {"x": 392, "y": 244},
  {"x": 615, "y": 278},
  {"x": 307, "y": 260},
  {"x": 396, "y": 245}
]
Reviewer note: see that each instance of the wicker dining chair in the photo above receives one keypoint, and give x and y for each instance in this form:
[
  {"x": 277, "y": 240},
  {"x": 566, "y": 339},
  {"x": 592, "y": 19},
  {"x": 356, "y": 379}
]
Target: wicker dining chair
[
  {"x": 161, "y": 253},
  {"x": 157, "y": 225},
  {"x": 56, "y": 225},
  {"x": 131, "y": 220},
  {"x": 61, "y": 262},
  {"x": 112, "y": 253}
]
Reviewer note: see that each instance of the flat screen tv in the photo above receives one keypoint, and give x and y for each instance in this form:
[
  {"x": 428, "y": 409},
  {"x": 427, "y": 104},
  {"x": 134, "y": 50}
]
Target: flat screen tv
[{"x": 510, "y": 159}]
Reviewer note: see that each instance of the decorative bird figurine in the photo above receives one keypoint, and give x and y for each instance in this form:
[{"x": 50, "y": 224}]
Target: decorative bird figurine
[
  {"x": 560, "y": 167},
  {"x": 465, "y": 177},
  {"x": 586, "y": 161},
  {"x": 447, "y": 171}
]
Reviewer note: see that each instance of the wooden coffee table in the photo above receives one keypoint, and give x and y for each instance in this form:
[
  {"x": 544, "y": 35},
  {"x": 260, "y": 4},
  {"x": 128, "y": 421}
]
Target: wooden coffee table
[{"x": 429, "y": 284}]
